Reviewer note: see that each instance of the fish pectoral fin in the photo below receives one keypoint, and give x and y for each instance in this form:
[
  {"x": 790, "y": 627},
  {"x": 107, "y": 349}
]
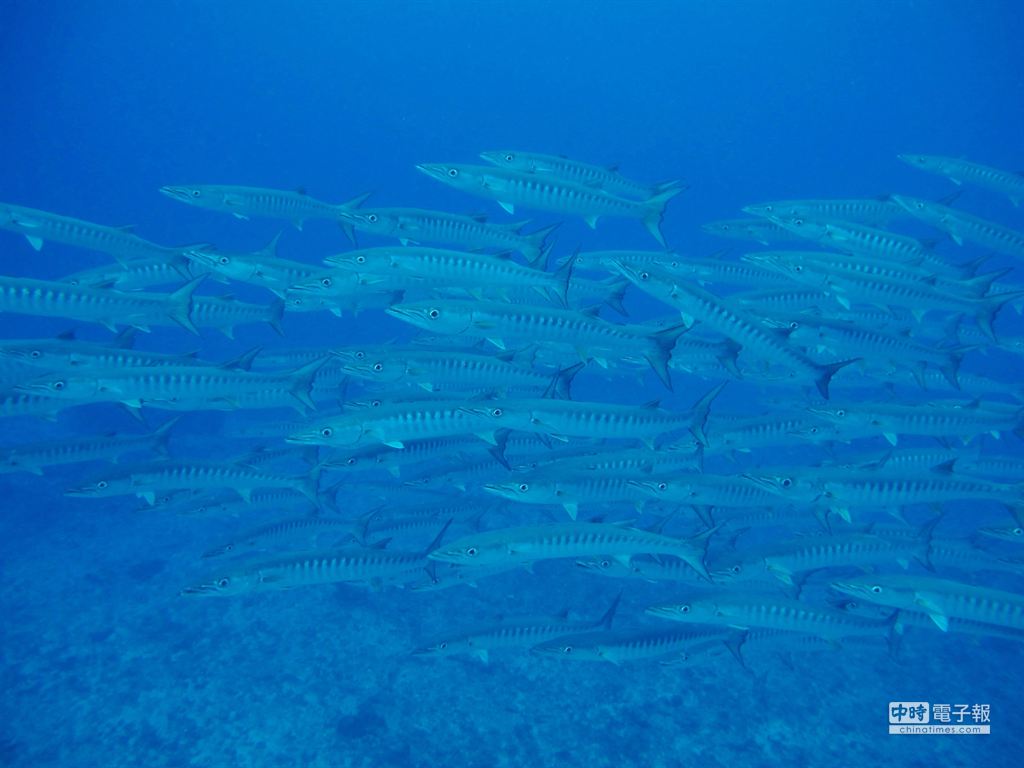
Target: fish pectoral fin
[
  {"x": 572, "y": 508},
  {"x": 35, "y": 242},
  {"x": 509, "y": 207},
  {"x": 149, "y": 496},
  {"x": 591, "y": 221},
  {"x": 930, "y": 605},
  {"x": 483, "y": 655},
  {"x": 394, "y": 444}
]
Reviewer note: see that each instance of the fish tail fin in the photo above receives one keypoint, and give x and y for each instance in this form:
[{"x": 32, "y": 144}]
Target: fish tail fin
[
  {"x": 270, "y": 249},
  {"x": 950, "y": 368},
  {"x": 539, "y": 247},
  {"x": 561, "y": 383},
  {"x": 161, "y": 435},
  {"x": 609, "y": 615},
  {"x": 656, "y": 211},
  {"x": 699, "y": 551},
  {"x": 275, "y": 313},
  {"x": 979, "y": 286},
  {"x": 664, "y": 341},
  {"x": 438, "y": 539},
  {"x": 243, "y": 362},
  {"x": 498, "y": 449},
  {"x": 180, "y": 305},
  {"x": 561, "y": 277},
  {"x": 700, "y": 412},
  {"x": 301, "y": 381},
  {"x": 616, "y": 293},
  {"x": 993, "y": 304},
  {"x": 309, "y": 485},
  {"x": 826, "y": 372},
  {"x": 728, "y": 358}
]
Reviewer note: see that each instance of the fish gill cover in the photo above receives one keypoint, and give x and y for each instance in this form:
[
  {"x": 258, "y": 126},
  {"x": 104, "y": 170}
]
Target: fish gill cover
[{"x": 517, "y": 384}]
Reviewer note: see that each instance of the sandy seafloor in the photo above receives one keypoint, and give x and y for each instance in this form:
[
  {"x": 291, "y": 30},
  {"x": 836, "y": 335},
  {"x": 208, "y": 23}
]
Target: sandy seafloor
[{"x": 104, "y": 664}]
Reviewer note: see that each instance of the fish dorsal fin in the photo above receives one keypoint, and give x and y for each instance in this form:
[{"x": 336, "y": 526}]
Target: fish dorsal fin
[
  {"x": 652, "y": 404},
  {"x": 590, "y": 311},
  {"x": 301, "y": 190}
]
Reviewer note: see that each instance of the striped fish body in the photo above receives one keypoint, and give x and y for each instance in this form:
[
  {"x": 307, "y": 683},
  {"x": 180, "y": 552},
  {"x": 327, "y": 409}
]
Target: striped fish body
[
  {"x": 260, "y": 269},
  {"x": 243, "y": 202},
  {"x": 624, "y": 647},
  {"x": 149, "y": 480},
  {"x": 224, "y": 313},
  {"x": 705, "y": 490},
  {"x": 36, "y": 456},
  {"x": 761, "y": 230},
  {"x": 851, "y": 549},
  {"x": 308, "y": 529},
  {"x": 936, "y": 419},
  {"x": 941, "y": 599},
  {"x": 549, "y": 193},
  {"x": 875, "y": 212},
  {"x": 137, "y": 274},
  {"x": 111, "y": 308},
  {"x": 40, "y": 226},
  {"x": 963, "y": 226},
  {"x": 587, "y": 174},
  {"x": 963, "y": 171}
]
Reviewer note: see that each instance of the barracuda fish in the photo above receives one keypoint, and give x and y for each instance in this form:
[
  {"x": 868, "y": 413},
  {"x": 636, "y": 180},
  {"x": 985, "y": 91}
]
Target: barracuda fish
[
  {"x": 622, "y": 647},
  {"x": 572, "y": 540},
  {"x": 791, "y": 561},
  {"x": 262, "y": 268},
  {"x": 961, "y": 171},
  {"x": 845, "y": 339},
  {"x": 166, "y": 386},
  {"x": 137, "y": 274},
  {"x": 41, "y": 226},
  {"x": 872, "y": 243},
  {"x": 226, "y": 312},
  {"x": 854, "y": 265},
  {"x": 1014, "y": 533},
  {"x": 286, "y": 532},
  {"x": 569, "y": 491},
  {"x": 873, "y": 283},
  {"x": 352, "y": 564},
  {"x": 940, "y": 418},
  {"x": 562, "y": 419},
  {"x": 989, "y": 467},
  {"x": 701, "y": 490},
  {"x": 941, "y": 599},
  {"x": 606, "y": 178},
  {"x": 763, "y": 231},
  {"x": 876, "y": 212},
  {"x": 964, "y": 227},
  {"x": 457, "y": 372},
  {"x": 43, "y": 298},
  {"x": 786, "y": 301},
  {"x": 147, "y": 480},
  {"x": 337, "y": 291},
  {"x": 514, "y": 633},
  {"x": 766, "y": 431},
  {"x": 22, "y": 404},
  {"x": 415, "y": 225},
  {"x": 34, "y": 457},
  {"x": 228, "y": 504},
  {"x": 478, "y": 273},
  {"x": 643, "y": 568},
  {"x": 243, "y": 202},
  {"x": 720, "y": 315},
  {"x": 746, "y": 611},
  {"x": 549, "y": 193},
  {"x": 710, "y": 270},
  {"x": 503, "y": 324},
  {"x": 842, "y": 490},
  {"x": 393, "y": 425},
  {"x": 919, "y": 620}
]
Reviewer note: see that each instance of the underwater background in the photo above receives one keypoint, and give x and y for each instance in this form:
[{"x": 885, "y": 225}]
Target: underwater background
[{"x": 104, "y": 663}]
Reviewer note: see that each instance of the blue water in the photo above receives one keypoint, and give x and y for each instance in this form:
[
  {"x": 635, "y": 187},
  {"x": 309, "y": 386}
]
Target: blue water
[{"x": 104, "y": 664}]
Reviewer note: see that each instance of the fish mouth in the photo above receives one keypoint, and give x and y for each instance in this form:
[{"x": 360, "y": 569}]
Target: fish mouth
[
  {"x": 669, "y": 611},
  {"x": 177, "y": 193},
  {"x": 401, "y": 313},
  {"x": 205, "y": 258},
  {"x": 433, "y": 170},
  {"x": 199, "y": 589},
  {"x": 30, "y": 388}
]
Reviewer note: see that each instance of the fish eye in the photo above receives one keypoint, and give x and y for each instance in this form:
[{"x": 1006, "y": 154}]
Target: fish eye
[
  {"x": 798, "y": 222},
  {"x": 794, "y": 325},
  {"x": 1018, "y": 531},
  {"x": 35, "y": 354},
  {"x": 662, "y": 486},
  {"x": 786, "y": 482},
  {"x": 684, "y": 608},
  {"x": 378, "y": 367},
  {"x": 376, "y": 403},
  {"x": 196, "y": 193},
  {"x": 644, "y": 275},
  {"x": 497, "y": 412},
  {"x": 326, "y": 282},
  {"x": 326, "y": 432},
  {"x": 605, "y": 563},
  {"x": 372, "y": 218},
  {"x": 509, "y": 158},
  {"x": 453, "y": 172},
  {"x": 736, "y": 569},
  {"x": 471, "y": 551},
  {"x": 223, "y": 259},
  {"x": 360, "y": 259},
  {"x": 101, "y": 484},
  {"x": 58, "y": 385},
  {"x": 841, "y": 412},
  {"x": 229, "y": 547},
  {"x": 798, "y": 268},
  {"x": 813, "y": 430},
  {"x": 876, "y": 590},
  {"x": 222, "y": 583},
  {"x": 434, "y": 314},
  {"x": 360, "y": 355},
  {"x": 524, "y": 487},
  {"x": 566, "y": 649},
  {"x": 350, "y": 461},
  {"x": 769, "y": 208},
  {"x": 442, "y": 646}
]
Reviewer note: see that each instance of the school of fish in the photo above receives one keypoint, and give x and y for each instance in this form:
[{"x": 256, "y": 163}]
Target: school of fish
[{"x": 460, "y": 453}]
